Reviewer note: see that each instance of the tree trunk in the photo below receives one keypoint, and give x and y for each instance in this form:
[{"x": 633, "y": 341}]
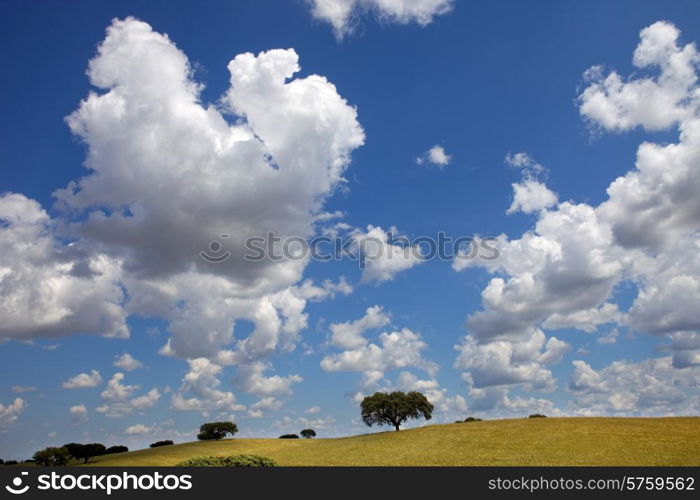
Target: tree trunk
[{"x": 397, "y": 426}]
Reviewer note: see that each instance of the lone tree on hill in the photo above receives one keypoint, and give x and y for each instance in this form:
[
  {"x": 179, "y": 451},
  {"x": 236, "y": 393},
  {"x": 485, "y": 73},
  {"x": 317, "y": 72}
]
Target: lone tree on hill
[
  {"x": 395, "y": 408},
  {"x": 216, "y": 430},
  {"x": 308, "y": 433}
]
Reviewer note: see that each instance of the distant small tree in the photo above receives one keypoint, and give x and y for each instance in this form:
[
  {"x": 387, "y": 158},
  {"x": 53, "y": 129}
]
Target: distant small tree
[
  {"x": 2, "y": 462},
  {"x": 116, "y": 449},
  {"x": 537, "y": 415},
  {"x": 472, "y": 419},
  {"x": 216, "y": 430},
  {"x": 11, "y": 462},
  {"x": 85, "y": 452},
  {"x": 395, "y": 408},
  {"x": 50, "y": 457},
  {"x": 308, "y": 433},
  {"x": 289, "y": 436},
  {"x": 158, "y": 444}
]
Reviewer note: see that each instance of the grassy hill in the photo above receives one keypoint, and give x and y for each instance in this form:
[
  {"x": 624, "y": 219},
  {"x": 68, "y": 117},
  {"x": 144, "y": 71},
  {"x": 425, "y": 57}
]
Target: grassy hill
[{"x": 546, "y": 441}]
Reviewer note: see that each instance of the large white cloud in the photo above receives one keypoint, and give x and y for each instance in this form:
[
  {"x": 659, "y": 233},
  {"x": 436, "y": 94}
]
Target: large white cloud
[
  {"x": 200, "y": 390},
  {"x": 393, "y": 350},
  {"x": 506, "y": 363},
  {"x": 342, "y": 14},
  {"x": 650, "y": 387},
  {"x": 167, "y": 175},
  {"x": 10, "y": 413},
  {"x": 349, "y": 334},
  {"x": 563, "y": 271},
  {"x": 654, "y": 103},
  {"x": 48, "y": 288},
  {"x": 118, "y": 400}
]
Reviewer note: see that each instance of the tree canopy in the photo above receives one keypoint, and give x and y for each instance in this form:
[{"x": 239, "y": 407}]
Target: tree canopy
[
  {"x": 116, "y": 449},
  {"x": 52, "y": 456},
  {"x": 85, "y": 451},
  {"x": 216, "y": 430},
  {"x": 308, "y": 433},
  {"x": 395, "y": 408},
  {"x": 158, "y": 444}
]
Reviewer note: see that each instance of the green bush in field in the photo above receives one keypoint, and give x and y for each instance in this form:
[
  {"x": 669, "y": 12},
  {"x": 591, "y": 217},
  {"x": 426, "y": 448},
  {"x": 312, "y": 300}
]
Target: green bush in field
[
  {"x": 537, "y": 415},
  {"x": 249, "y": 461},
  {"x": 202, "y": 462},
  {"x": 232, "y": 461},
  {"x": 472, "y": 419}
]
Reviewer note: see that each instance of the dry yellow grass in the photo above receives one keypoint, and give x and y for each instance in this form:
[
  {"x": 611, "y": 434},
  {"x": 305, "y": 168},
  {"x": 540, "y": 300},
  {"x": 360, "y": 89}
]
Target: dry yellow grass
[{"x": 546, "y": 441}]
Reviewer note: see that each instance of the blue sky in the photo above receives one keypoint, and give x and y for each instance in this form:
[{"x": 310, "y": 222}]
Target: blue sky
[{"x": 504, "y": 88}]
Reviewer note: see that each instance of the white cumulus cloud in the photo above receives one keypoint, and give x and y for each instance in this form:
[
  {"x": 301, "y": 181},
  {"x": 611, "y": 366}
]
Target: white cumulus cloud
[
  {"x": 127, "y": 362},
  {"x": 348, "y": 335},
  {"x": 118, "y": 400},
  {"x": 10, "y": 413},
  {"x": 562, "y": 272},
  {"x": 78, "y": 413},
  {"x": 435, "y": 156},
  {"x": 343, "y": 14},
  {"x": 83, "y": 380}
]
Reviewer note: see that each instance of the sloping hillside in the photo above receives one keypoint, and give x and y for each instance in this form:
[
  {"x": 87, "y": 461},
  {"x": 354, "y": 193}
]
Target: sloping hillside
[{"x": 547, "y": 441}]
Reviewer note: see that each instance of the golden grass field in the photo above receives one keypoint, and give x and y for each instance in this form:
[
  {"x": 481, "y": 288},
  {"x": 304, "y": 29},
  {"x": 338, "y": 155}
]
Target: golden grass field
[{"x": 545, "y": 441}]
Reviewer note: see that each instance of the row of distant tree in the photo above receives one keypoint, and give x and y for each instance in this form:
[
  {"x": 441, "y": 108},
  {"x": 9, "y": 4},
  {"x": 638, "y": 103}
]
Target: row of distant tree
[
  {"x": 305, "y": 433},
  {"x": 62, "y": 455},
  {"x": 380, "y": 408},
  {"x": 220, "y": 430}
]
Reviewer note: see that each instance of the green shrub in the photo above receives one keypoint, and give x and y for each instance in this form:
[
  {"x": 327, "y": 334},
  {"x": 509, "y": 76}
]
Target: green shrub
[
  {"x": 231, "y": 461},
  {"x": 472, "y": 419},
  {"x": 202, "y": 462},
  {"x": 537, "y": 415},
  {"x": 289, "y": 436},
  {"x": 249, "y": 461}
]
